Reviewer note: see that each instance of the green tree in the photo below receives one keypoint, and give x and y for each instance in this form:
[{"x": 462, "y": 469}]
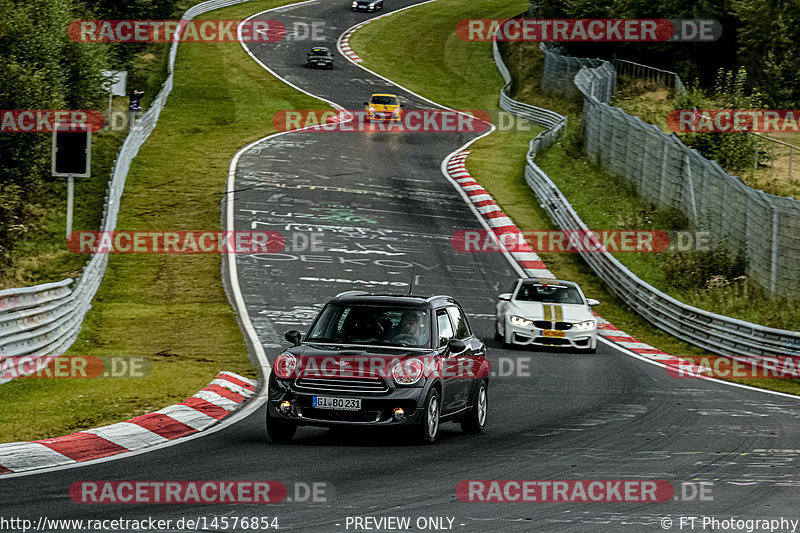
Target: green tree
[{"x": 42, "y": 69}]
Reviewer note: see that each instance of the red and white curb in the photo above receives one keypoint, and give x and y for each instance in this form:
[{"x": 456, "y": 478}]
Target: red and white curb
[
  {"x": 494, "y": 216},
  {"x": 344, "y": 44},
  {"x": 225, "y": 394}
]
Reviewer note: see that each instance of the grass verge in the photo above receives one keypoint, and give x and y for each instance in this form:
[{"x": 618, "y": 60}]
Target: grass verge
[
  {"x": 457, "y": 73},
  {"x": 170, "y": 308}
]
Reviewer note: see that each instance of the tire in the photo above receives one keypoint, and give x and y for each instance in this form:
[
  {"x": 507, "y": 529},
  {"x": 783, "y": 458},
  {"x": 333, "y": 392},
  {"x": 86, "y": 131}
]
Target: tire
[
  {"x": 497, "y": 336},
  {"x": 474, "y": 421},
  {"x": 278, "y": 431},
  {"x": 587, "y": 350},
  {"x": 429, "y": 427}
]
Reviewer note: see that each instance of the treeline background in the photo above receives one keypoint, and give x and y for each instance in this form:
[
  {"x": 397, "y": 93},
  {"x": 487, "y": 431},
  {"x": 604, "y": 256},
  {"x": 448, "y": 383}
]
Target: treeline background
[
  {"x": 761, "y": 35},
  {"x": 41, "y": 68}
]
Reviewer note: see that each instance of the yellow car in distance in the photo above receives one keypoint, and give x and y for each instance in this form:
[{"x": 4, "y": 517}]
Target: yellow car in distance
[{"x": 384, "y": 107}]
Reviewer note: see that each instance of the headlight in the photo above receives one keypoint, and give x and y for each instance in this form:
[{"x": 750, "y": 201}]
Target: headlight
[
  {"x": 589, "y": 324},
  {"x": 284, "y": 365},
  {"x": 355, "y": 4},
  {"x": 407, "y": 372},
  {"x": 396, "y": 112},
  {"x": 371, "y": 109},
  {"x": 519, "y": 321}
]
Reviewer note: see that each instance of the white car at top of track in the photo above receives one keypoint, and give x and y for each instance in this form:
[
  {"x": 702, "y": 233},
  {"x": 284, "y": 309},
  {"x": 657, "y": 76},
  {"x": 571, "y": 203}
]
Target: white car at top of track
[{"x": 546, "y": 312}]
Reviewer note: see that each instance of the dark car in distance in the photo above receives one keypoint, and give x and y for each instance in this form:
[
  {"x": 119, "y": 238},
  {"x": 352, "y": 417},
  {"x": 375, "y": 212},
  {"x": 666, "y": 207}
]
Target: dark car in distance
[
  {"x": 319, "y": 57},
  {"x": 381, "y": 361},
  {"x": 366, "y": 5}
]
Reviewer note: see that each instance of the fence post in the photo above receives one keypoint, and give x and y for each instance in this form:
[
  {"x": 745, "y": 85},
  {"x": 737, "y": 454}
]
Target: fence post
[{"x": 687, "y": 165}]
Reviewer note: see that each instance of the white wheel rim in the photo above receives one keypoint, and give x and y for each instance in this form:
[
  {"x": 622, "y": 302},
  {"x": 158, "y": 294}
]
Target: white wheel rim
[
  {"x": 433, "y": 416},
  {"x": 482, "y": 406}
]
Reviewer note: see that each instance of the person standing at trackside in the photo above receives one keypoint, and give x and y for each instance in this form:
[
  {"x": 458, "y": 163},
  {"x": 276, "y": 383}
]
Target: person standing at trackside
[{"x": 135, "y": 106}]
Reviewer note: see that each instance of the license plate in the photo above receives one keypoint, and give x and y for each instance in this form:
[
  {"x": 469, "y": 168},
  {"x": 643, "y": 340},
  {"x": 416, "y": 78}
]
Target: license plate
[
  {"x": 345, "y": 404},
  {"x": 553, "y": 333}
]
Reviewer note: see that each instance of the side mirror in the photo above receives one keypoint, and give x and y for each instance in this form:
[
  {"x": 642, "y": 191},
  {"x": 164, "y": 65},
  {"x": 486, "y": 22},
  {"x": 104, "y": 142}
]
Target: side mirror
[
  {"x": 455, "y": 347},
  {"x": 402, "y": 105},
  {"x": 506, "y": 296},
  {"x": 366, "y": 103},
  {"x": 293, "y": 336},
  {"x": 308, "y": 53},
  {"x": 592, "y": 302}
]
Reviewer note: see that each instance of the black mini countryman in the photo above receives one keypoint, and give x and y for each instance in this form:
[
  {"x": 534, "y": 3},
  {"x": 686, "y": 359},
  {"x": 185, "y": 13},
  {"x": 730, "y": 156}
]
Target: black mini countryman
[{"x": 381, "y": 361}]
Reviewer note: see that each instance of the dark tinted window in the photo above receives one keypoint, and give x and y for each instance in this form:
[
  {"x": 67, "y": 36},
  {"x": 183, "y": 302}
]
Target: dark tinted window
[
  {"x": 372, "y": 324},
  {"x": 384, "y": 100},
  {"x": 445, "y": 328},
  {"x": 551, "y": 294},
  {"x": 462, "y": 328}
]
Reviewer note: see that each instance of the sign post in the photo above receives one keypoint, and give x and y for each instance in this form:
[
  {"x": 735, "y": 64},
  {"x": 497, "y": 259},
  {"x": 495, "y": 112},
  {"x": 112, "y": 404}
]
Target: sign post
[
  {"x": 71, "y": 158},
  {"x": 115, "y": 85}
]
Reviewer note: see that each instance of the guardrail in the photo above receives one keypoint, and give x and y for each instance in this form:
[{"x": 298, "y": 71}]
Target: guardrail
[
  {"x": 710, "y": 331},
  {"x": 40, "y": 323}
]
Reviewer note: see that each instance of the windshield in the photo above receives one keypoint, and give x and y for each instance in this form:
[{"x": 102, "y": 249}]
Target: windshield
[
  {"x": 319, "y": 52},
  {"x": 551, "y": 294},
  {"x": 370, "y": 324},
  {"x": 384, "y": 100}
]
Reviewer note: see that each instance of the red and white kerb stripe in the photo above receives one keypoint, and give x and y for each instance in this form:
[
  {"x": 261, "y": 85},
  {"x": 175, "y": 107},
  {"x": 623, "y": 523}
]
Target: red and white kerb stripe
[
  {"x": 494, "y": 216},
  {"x": 224, "y": 394}
]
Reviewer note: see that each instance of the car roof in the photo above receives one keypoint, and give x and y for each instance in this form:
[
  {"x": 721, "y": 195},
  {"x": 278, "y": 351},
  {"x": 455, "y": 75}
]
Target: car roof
[
  {"x": 384, "y": 94},
  {"x": 405, "y": 300},
  {"x": 320, "y": 48}
]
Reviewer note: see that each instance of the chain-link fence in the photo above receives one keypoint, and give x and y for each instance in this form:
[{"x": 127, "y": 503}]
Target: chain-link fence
[{"x": 670, "y": 174}]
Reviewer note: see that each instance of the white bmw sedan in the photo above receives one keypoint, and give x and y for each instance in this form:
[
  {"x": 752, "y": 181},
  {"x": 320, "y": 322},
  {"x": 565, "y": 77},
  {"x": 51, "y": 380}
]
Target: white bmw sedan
[{"x": 546, "y": 312}]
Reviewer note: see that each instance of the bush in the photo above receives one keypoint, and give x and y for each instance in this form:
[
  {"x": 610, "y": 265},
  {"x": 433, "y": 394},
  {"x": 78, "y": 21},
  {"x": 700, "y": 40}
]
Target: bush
[
  {"x": 735, "y": 152},
  {"x": 710, "y": 270}
]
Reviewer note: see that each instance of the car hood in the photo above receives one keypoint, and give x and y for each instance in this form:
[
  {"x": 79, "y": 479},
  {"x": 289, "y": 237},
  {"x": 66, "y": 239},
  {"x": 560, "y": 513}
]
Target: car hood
[
  {"x": 313, "y": 349},
  {"x": 536, "y": 311}
]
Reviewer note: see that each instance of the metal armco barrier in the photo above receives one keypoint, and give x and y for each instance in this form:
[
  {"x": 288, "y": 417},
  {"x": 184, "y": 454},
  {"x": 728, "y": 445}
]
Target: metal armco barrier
[
  {"x": 710, "y": 331},
  {"x": 42, "y": 322}
]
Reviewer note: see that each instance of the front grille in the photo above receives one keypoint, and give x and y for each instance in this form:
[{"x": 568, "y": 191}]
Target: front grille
[
  {"x": 354, "y": 385},
  {"x": 551, "y": 340},
  {"x": 563, "y": 326},
  {"x": 341, "y": 416},
  {"x": 543, "y": 324}
]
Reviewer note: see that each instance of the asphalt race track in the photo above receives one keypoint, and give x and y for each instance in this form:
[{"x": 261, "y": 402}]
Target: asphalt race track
[{"x": 380, "y": 205}]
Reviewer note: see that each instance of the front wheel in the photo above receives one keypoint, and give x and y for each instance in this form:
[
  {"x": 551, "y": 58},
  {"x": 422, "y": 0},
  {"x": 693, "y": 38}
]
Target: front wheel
[
  {"x": 279, "y": 431},
  {"x": 430, "y": 418},
  {"x": 475, "y": 420}
]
